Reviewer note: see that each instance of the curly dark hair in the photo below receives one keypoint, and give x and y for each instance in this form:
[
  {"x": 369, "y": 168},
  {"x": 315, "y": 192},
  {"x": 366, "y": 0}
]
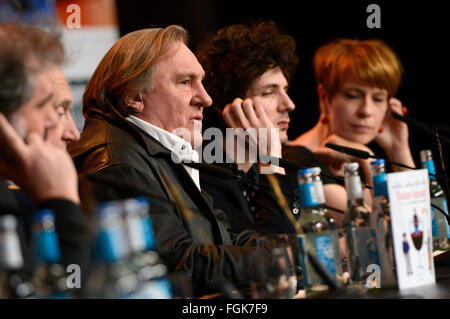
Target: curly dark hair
[{"x": 239, "y": 54}]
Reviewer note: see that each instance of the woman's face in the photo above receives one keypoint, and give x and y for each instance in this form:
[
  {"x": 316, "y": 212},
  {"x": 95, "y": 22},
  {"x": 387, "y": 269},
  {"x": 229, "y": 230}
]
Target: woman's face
[{"x": 356, "y": 111}]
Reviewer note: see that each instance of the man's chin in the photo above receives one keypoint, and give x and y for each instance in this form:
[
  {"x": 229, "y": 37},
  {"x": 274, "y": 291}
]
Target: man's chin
[
  {"x": 197, "y": 140},
  {"x": 283, "y": 138}
]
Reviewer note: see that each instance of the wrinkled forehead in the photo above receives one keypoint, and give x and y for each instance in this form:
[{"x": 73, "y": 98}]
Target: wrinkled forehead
[{"x": 180, "y": 59}]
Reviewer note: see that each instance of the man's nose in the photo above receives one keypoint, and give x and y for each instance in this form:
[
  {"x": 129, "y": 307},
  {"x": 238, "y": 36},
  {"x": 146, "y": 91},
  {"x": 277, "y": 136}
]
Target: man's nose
[
  {"x": 204, "y": 99},
  {"x": 71, "y": 132},
  {"x": 286, "y": 105}
]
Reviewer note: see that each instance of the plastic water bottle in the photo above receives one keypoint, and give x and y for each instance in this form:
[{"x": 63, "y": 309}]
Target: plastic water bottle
[
  {"x": 110, "y": 274},
  {"x": 360, "y": 238},
  {"x": 319, "y": 236},
  {"x": 380, "y": 221},
  {"x": 322, "y": 207},
  {"x": 49, "y": 276},
  {"x": 144, "y": 259},
  {"x": 13, "y": 283}
]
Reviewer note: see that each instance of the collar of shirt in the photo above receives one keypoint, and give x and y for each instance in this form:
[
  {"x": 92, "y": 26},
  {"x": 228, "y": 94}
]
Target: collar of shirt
[{"x": 178, "y": 146}]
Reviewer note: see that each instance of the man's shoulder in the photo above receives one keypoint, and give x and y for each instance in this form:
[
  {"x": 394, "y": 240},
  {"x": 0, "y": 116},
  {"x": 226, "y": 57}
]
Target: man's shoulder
[{"x": 100, "y": 135}]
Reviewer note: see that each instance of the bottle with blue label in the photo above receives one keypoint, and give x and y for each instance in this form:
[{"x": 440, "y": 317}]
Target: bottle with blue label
[
  {"x": 13, "y": 282},
  {"x": 49, "y": 275},
  {"x": 144, "y": 259},
  {"x": 322, "y": 207},
  {"x": 380, "y": 221},
  {"x": 360, "y": 238},
  {"x": 110, "y": 274},
  {"x": 319, "y": 236},
  {"x": 440, "y": 228}
]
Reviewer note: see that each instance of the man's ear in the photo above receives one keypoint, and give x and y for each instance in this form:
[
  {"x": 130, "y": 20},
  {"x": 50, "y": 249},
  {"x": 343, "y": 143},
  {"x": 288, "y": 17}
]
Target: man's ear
[{"x": 136, "y": 102}]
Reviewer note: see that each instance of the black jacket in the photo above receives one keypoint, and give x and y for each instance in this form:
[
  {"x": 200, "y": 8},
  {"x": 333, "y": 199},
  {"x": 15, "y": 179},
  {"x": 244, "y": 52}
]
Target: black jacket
[{"x": 112, "y": 147}]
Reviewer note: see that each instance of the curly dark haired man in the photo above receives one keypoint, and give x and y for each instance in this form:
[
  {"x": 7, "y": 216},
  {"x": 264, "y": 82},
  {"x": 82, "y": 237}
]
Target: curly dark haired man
[{"x": 248, "y": 69}]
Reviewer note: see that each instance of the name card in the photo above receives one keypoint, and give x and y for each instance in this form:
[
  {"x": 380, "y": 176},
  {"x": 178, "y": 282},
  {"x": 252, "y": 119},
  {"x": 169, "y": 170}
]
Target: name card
[{"x": 409, "y": 197}]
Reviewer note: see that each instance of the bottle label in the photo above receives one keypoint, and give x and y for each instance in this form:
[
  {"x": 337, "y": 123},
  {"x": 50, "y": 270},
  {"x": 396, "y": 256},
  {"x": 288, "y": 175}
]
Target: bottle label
[
  {"x": 322, "y": 247},
  {"x": 325, "y": 252},
  {"x": 47, "y": 247},
  {"x": 111, "y": 244},
  {"x": 429, "y": 165},
  {"x": 380, "y": 185},
  {"x": 308, "y": 196},
  {"x": 147, "y": 228}
]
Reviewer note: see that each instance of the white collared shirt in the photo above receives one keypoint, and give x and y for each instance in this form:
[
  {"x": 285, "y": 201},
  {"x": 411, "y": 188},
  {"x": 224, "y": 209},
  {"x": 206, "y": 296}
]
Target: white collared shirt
[{"x": 179, "y": 147}]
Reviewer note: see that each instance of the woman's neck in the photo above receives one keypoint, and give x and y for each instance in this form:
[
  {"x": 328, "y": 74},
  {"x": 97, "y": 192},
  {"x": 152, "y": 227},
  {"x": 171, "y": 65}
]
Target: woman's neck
[{"x": 314, "y": 137}]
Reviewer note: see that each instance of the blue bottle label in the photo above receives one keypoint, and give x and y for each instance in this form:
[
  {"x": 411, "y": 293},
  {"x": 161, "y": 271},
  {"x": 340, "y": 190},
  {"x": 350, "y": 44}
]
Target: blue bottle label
[
  {"x": 308, "y": 196},
  {"x": 47, "y": 247},
  {"x": 380, "y": 185},
  {"x": 325, "y": 252},
  {"x": 110, "y": 245},
  {"x": 429, "y": 165}
]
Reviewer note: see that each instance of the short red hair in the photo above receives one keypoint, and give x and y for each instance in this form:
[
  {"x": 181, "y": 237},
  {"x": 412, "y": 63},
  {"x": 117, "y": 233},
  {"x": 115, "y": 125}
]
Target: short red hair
[{"x": 370, "y": 62}]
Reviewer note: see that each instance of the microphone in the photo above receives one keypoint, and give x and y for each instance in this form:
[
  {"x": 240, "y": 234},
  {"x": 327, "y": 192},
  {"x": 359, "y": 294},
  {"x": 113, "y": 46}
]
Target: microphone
[
  {"x": 419, "y": 125},
  {"x": 365, "y": 155},
  {"x": 350, "y": 151},
  {"x": 361, "y": 154}
]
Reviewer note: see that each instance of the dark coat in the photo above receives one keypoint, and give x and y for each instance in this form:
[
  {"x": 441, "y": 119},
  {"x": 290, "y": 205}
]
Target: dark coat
[{"x": 112, "y": 147}]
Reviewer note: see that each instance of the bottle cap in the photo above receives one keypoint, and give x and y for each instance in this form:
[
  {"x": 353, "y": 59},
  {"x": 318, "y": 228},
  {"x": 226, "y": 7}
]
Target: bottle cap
[
  {"x": 351, "y": 166},
  {"x": 316, "y": 170},
  {"x": 378, "y": 162},
  {"x": 304, "y": 171}
]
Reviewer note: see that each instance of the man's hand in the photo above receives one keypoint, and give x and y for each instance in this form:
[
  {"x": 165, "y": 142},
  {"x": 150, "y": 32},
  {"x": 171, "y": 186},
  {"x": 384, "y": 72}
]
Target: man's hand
[
  {"x": 40, "y": 168},
  {"x": 262, "y": 136}
]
